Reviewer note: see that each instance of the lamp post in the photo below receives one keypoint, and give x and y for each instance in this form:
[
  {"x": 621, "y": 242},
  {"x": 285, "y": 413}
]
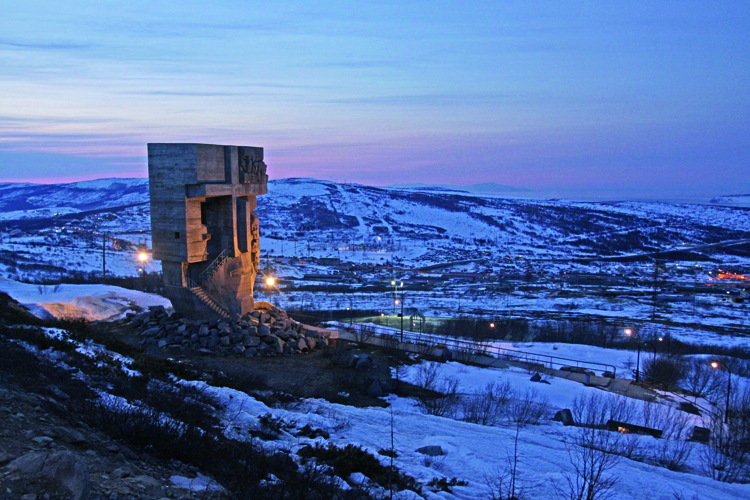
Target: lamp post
[
  {"x": 630, "y": 332},
  {"x": 395, "y": 303},
  {"x": 669, "y": 341},
  {"x": 143, "y": 257},
  {"x": 270, "y": 282},
  {"x": 715, "y": 365}
]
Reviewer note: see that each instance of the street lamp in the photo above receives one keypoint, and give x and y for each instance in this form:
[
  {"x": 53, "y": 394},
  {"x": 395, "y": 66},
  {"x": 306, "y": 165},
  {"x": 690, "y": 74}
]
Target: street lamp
[
  {"x": 630, "y": 332},
  {"x": 715, "y": 365},
  {"x": 669, "y": 341},
  {"x": 397, "y": 302},
  {"x": 143, "y": 257}
]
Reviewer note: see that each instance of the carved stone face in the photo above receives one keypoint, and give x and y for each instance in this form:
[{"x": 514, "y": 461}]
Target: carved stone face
[{"x": 253, "y": 169}]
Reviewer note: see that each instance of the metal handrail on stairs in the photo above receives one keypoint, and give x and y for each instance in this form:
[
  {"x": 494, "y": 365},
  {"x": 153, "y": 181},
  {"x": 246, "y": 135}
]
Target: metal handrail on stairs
[
  {"x": 214, "y": 266},
  {"x": 191, "y": 284}
]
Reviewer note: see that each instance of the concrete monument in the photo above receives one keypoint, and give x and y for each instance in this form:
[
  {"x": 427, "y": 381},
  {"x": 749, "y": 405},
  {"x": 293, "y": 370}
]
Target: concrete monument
[{"x": 203, "y": 226}]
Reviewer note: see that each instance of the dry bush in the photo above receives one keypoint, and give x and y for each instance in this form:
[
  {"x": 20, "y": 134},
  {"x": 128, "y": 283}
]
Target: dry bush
[
  {"x": 363, "y": 333},
  {"x": 726, "y": 456},
  {"x": 441, "y": 398},
  {"x": 445, "y": 402},
  {"x": 591, "y": 478},
  {"x": 664, "y": 370},
  {"x": 528, "y": 407},
  {"x": 701, "y": 379},
  {"x": 488, "y": 406}
]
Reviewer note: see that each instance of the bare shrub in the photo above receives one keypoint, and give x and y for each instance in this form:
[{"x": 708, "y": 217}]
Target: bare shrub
[
  {"x": 596, "y": 408},
  {"x": 444, "y": 403},
  {"x": 622, "y": 409},
  {"x": 466, "y": 355},
  {"x": 591, "y": 478},
  {"x": 502, "y": 484},
  {"x": 628, "y": 446},
  {"x": 363, "y": 333},
  {"x": 664, "y": 370},
  {"x": 488, "y": 406},
  {"x": 673, "y": 450},
  {"x": 701, "y": 379},
  {"x": 427, "y": 375},
  {"x": 442, "y": 398},
  {"x": 590, "y": 409},
  {"x": 726, "y": 456},
  {"x": 528, "y": 407}
]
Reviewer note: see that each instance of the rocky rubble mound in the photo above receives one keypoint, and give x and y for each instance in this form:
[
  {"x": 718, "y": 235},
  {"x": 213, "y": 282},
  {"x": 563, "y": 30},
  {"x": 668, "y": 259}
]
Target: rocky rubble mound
[{"x": 267, "y": 331}]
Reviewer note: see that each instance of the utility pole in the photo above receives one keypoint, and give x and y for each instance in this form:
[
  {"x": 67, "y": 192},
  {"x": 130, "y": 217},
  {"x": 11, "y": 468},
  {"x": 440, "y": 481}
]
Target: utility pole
[
  {"x": 104, "y": 256},
  {"x": 402, "y": 316},
  {"x": 656, "y": 276}
]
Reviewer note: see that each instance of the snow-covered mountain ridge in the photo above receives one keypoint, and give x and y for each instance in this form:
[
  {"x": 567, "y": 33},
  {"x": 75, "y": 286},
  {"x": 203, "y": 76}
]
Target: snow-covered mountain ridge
[{"x": 426, "y": 224}]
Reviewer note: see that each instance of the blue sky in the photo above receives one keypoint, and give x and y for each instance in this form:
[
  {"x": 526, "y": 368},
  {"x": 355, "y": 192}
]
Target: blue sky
[{"x": 633, "y": 96}]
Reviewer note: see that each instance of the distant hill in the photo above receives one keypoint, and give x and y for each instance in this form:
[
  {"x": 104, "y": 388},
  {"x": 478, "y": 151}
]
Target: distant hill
[
  {"x": 72, "y": 197},
  {"x": 426, "y": 223},
  {"x": 732, "y": 199},
  {"x": 483, "y": 187}
]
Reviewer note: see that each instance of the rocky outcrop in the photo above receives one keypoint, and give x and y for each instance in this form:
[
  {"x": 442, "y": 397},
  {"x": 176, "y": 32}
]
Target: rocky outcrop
[
  {"x": 63, "y": 467},
  {"x": 263, "y": 332}
]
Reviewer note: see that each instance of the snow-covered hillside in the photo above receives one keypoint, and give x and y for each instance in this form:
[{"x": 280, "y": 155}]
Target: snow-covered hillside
[{"x": 38, "y": 200}]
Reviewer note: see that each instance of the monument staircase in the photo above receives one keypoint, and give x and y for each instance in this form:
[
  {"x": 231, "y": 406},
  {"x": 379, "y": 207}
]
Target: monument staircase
[
  {"x": 210, "y": 302},
  {"x": 214, "y": 267}
]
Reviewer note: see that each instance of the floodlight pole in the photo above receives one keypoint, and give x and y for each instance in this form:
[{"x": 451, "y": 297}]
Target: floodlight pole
[{"x": 402, "y": 316}]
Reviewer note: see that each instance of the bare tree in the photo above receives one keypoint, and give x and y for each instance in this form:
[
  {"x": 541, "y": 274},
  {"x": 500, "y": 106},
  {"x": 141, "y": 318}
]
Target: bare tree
[
  {"x": 701, "y": 379},
  {"x": 503, "y": 483},
  {"x": 591, "y": 478},
  {"x": 488, "y": 406},
  {"x": 528, "y": 407},
  {"x": 726, "y": 456},
  {"x": 443, "y": 400}
]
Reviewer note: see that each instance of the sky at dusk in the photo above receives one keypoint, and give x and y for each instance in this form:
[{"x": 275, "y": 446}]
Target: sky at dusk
[{"x": 632, "y": 97}]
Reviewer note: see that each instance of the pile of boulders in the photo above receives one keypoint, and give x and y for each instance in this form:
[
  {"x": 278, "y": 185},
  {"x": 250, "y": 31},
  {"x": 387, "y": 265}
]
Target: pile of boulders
[{"x": 264, "y": 332}]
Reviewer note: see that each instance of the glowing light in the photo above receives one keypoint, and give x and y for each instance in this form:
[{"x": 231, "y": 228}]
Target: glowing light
[
  {"x": 628, "y": 332},
  {"x": 143, "y": 256},
  {"x": 396, "y": 302},
  {"x": 270, "y": 281},
  {"x": 492, "y": 325},
  {"x": 714, "y": 364},
  {"x": 393, "y": 283}
]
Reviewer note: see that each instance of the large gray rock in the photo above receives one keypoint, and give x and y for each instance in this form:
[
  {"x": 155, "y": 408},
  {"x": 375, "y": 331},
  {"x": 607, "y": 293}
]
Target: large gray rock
[
  {"x": 565, "y": 416},
  {"x": 364, "y": 362},
  {"x": 275, "y": 343},
  {"x": 431, "y": 451},
  {"x": 375, "y": 389},
  {"x": 64, "y": 467},
  {"x": 251, "y": 342}
]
